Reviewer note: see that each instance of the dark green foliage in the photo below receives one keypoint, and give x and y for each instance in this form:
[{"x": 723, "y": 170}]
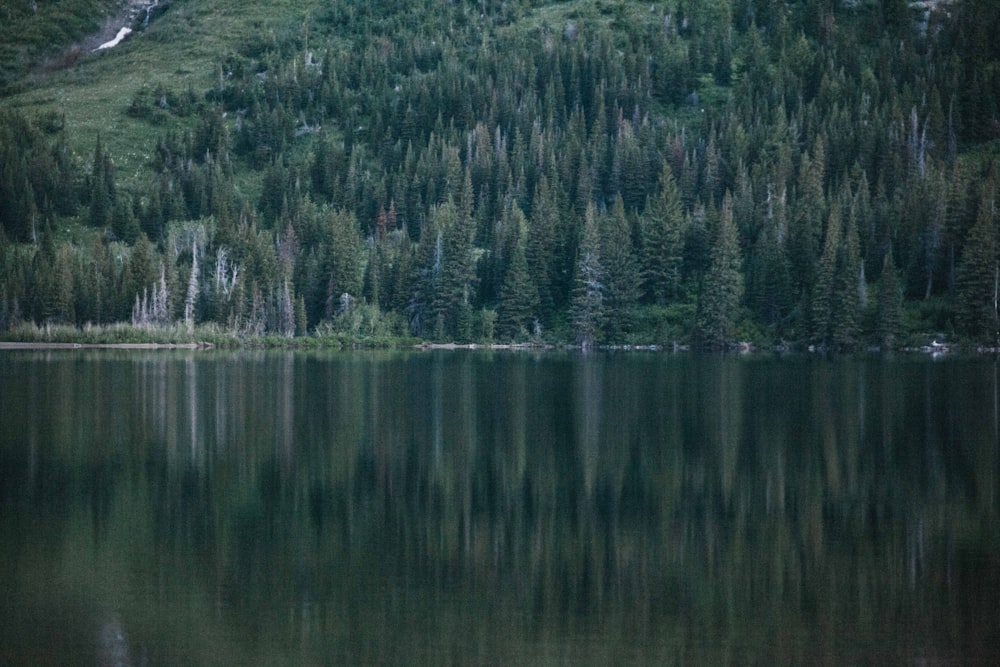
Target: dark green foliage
[
  {"x": 102, "y": 188},
  {"x": 481, "y": 168},
  {"x": 587, "y": 309},
  {"x": 978, "y": 277},
  {"x": 622, "y": 281},
  {"x": 848, "y": 288},
  {"x": 443, "y": 275},
  {"x": 662, "y": 231},
  {"x": 890, "y": 305},
  {"x": 518, "y": 295},
  {"x": 31, "y": 29},
  {"x": 722, "y": 288}
]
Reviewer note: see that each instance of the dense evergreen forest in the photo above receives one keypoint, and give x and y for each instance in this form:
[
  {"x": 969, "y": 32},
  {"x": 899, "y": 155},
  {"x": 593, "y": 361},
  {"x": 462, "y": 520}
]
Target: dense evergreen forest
[{"x": 819, "y": 172}]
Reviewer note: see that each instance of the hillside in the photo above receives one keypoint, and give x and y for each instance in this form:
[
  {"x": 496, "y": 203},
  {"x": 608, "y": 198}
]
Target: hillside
[{"x": 589, "y": 171}]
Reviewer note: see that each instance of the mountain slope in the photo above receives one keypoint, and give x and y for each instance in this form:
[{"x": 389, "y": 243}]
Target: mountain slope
[{"x": 282, "y": 167}]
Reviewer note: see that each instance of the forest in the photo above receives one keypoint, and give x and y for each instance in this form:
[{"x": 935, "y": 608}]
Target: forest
[{"x": 593, "y": 172}]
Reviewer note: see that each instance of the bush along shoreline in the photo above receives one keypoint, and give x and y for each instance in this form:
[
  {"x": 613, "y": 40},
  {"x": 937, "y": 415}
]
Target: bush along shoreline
[{"x": 210, "y": 337}]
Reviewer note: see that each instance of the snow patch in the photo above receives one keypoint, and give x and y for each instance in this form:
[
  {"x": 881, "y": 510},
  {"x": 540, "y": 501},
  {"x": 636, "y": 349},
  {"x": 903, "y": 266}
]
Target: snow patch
[{"x": 122, "y": 34}]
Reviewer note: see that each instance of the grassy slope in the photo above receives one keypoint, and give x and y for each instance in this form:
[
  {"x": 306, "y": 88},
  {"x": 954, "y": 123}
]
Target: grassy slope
[
  {"x": 178, "y": 50},
  {"x": 182, "y": 49}
]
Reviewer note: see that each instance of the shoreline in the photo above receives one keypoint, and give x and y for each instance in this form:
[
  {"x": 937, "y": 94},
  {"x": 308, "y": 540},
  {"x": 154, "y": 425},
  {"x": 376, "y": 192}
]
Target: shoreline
[
  {"x": 936, "y": 350},
  {"x": 9, "y": 345}
]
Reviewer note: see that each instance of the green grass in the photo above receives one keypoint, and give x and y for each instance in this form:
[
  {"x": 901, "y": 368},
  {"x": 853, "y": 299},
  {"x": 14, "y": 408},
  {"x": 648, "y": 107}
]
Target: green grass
[
  {"x": 178, "y": 334},
  {"x": 181, "y": 49}
]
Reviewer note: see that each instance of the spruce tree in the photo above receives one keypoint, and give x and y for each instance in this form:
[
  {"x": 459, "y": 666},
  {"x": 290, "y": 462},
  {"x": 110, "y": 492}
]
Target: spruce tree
[
  {"x": 806, "y": 226},
  {"x": 722, "y": 288},
  {"x": 768, "y": 280},
  {"x": 662, "y": 231},
  {"x": 977, "y": 277},
  {"x": 540, "y": 250},
  {"x": 847, "y": 288},
  {"x": 587, "y": 307},
  {"x": 102, "y": 187},
  {"x": 343, "y": 266},
  {"x": 621, "y": 271},
  {"x": 890, "y": 304},
  {"x": 822, "y": 302},
  {"x": 518, "y": 294}
]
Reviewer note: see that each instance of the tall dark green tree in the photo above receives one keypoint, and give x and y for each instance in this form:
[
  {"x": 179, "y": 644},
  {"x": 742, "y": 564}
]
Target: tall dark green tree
[
  {"x": 722, "y": 288},
  {"x": 517, "y": 311},
  {"x": 890, "y": 304},
  {"x": 343, "y": 265},
  {"x": 768, "y": 278},
  {"x": 822, "y": 304},
  {"x": 543, "y": 254},
  {"x": 847, "y": 288},
  {"x": 587, "y": 307},
  {"x": 806, "y": 224},
  {"x": 102, "y": 187},
  {"x": 978, "y": 277},
  {"x": 662, "y": 231},
  {"x": 621, "y": 272}
]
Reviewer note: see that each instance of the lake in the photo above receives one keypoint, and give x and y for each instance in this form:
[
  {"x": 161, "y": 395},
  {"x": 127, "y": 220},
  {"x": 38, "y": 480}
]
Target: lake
[{"x": 507, "y": 508}]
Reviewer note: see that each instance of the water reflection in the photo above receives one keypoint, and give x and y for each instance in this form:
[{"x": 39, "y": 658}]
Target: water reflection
[{"x": 500, "y": 508}]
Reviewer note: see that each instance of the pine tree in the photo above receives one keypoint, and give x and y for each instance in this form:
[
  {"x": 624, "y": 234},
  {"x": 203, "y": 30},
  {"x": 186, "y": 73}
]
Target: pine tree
[
  {"x": 191, "y": 297},
  {"x": 301, "y": 323},
  {"x": 723, "y": 284},
  {"x": 807, "y": 222},
  {"x": 343, "y": 265},
  {"x": 822, "y": 302},
  {"x": 102, "y": 190},
  {"x": 977, "y": 277},
  {"x": 768, "y": 279},
  {"x": 457, "y": 284},
  {"x": 541, "y": 251},
  {"x": 662, "y": 231},
  {"x": 890, "y": 304},
  {"x": 847, "y": 288},
  {"x": 373, "y": 275},
  {"x": 442, "y": 275},
  {"x": 518, "y": 294},
  {"x": 587, "y": 307},
  {"x": 139, "y": 274},
  {"x": 621, "y": 271}
]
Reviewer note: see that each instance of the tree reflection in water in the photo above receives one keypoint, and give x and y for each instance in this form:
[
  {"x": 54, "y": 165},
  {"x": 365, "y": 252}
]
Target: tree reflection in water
[{"x": 503, "y": 507}]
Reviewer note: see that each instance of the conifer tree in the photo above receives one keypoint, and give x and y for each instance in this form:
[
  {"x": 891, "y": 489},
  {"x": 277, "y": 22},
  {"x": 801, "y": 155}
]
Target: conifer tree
[
  {"x": 621, "y": 271},
  {"x": 518, "y": 294},
  {"x": 139, "y": 274},
  {"x": 847, "y": 288},
  {"x": 890, "y": 304},
  {"x": 768, "y": 279},
  {"x": 822, "y": 303},
  {"x": 806, "y": 226},
  {"x": 722, "y": 288},
  {"x": 102, "y": 189},
  {"x": 343, "y": 265},
  {"x": 587, "y": 308},
  {"x": 978, "y": 277},
  {"x": 541, "y": 250},
  {"x": 191, "y": 298},
  {"x": 373, "y": 275},
  {"x": 662, "y": 231}
]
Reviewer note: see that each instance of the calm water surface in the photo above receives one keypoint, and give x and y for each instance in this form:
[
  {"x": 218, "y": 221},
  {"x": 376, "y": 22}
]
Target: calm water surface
[{"x": 497, "y": 508}]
